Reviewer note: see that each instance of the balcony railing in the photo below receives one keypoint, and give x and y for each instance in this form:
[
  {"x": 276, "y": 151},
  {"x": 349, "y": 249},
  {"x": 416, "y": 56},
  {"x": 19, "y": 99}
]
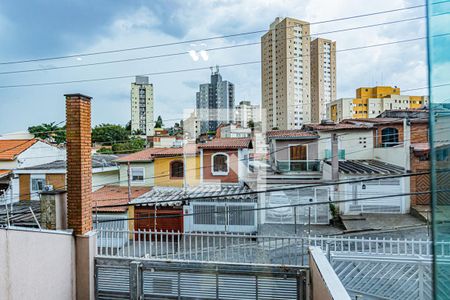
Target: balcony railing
[{"x": 298, "y": 166}]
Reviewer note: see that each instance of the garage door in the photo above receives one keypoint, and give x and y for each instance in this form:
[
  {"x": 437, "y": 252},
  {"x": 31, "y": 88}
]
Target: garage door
[{"x": 375, "y": 188}]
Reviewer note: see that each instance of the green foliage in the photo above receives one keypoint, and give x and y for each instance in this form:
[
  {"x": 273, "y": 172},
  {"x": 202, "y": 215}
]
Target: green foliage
[
  {"x": 128, "y": 126},
  {"x": 133, "y": 145},
  {"x": 159, "y": 122},
  {"x": 109, "y": 133},
  {"x": 251, "y": 124},
  {"x": 333, "y": 209},
  {"x": 104, "y": 150},
  {"x": 50, "y": 132},
  {"x": 138, "y": 132}
]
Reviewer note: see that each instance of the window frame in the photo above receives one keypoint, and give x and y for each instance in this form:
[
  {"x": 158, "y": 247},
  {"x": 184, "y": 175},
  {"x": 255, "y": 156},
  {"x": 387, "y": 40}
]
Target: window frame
[
  {"x": 143, "y": 174},
  {"x": 40, "y": 177},
  {"x": 220, "y": 173},
  {"x": 171, "y": 171}
]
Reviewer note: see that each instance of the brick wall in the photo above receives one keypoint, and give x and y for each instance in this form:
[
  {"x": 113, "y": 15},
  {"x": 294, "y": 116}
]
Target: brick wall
[
  {"x": 419, "y": 132},
  {"x": 57, "y": 180},
  {"x": 24, "y": 187},
  {"x": 232, "y": 176},
  {"x": 420, "y": 183},
  {"x": 79, "y": 165}
]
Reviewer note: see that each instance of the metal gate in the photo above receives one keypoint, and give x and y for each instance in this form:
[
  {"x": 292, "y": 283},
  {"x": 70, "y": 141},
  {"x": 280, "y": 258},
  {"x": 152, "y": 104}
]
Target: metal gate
[{"x": 154, "y": 279}]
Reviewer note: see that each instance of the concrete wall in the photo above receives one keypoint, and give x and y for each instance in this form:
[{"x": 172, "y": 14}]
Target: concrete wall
[
  {"x": 392, "y": 155},
  {"x": 36, "y": 265},
  {"x": 104, "y": 178},
  {"x": 325, "y": 284},
  {"x": 358, "y": 144}
]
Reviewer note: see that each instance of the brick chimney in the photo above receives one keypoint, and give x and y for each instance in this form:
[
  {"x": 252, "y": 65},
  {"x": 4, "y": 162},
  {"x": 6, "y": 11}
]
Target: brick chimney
[{"x": 79, "y": 164}]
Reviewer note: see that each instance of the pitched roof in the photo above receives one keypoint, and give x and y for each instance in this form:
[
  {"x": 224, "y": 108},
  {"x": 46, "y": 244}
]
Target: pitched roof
[
  {"x": 368, "y": 167},
  {"x": 170, "y": 196},
  {"x": 10, "y": 149},
  {"x": 381, "y": 121},
  {"x": 4, "y": 173},
  {"x": 115, "y": 195},
  {"x": 227, "y": 143},
  {"x": 98, "y": 161},
  {"x": 291, "y": 134},
  {"x": 338, "y": 126},
  {"x": 150, "y": 154}
]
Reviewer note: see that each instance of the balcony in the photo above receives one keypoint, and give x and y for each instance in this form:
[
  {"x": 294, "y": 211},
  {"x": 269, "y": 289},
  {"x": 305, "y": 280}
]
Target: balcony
[{"x": 284, "y": 166}]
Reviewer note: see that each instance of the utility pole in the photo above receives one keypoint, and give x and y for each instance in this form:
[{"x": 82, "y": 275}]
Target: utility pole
[{"x": 129, "y": 181}]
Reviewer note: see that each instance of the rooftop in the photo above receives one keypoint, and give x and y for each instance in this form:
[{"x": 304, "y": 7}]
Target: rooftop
[
  {"x": 334, "y": 127},
  {"x": 98, "y": 161},
  {"x": 170, "y": 196},
  {"x": 381, "y": 121},
  {"x": 10, "y": 149},
  {"x": 368, "y": 167},
  {"x": 227, "y": 143},
  {"x": 115, "y": 195},
  {"x": 283, "y": 134},
  {"x": 149, "y": 154}
]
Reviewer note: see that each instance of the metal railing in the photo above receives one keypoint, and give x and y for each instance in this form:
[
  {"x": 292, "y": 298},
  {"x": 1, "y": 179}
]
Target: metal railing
[
  {"x": 247, "y": 248},
  {"x": 298, "y": 165}
]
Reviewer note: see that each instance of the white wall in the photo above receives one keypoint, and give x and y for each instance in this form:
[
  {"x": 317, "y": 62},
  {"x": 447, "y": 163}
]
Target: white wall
[
  {"x": 392, "y": 155},
  {"x": 352, "y": 141},
  {"x": 104, "y": 178},
  {"x": 40, "y": 153},
  {"x": 148, "y": 174},
  {"x": 36, "y": 265}
]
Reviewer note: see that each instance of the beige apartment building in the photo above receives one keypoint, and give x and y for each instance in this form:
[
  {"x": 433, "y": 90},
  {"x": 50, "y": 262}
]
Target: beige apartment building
[
  {"x": 371, "y": 102},
  {"x": 142, "y": 118},
  {"x": 323, "y": 77},
  {"x": 285, "y": 71}
]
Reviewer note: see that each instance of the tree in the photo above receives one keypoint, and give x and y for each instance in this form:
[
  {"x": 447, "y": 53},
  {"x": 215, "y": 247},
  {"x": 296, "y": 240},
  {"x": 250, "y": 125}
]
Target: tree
[
  {"x": 137, "y": 132},
  {"x": 251, "y": 124},
  {"x": 128, "y": 126},
  {"x": 159, "y": 122},
  {"x": 109, "y": 133},
  {"x": 133, "y": 145},
  {"x": 50, "y": 132}
]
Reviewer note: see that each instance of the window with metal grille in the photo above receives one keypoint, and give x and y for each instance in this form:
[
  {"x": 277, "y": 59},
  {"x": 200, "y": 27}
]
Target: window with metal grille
[
  {"x": 176, "y": 169},
  {"x": 389, "y": 137},
  {"x": 220, "y": 164}
]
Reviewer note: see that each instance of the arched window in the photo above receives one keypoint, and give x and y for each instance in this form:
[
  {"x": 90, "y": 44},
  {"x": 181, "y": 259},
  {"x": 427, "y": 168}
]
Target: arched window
[
  {"x": 220, "y": 164},
  {"x": 389, "y": 137},
  {"x": 176, "y": 169}
]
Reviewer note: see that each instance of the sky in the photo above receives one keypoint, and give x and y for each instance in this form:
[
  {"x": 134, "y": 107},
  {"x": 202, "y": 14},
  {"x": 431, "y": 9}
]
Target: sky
[{"x": 43, "y": 28}]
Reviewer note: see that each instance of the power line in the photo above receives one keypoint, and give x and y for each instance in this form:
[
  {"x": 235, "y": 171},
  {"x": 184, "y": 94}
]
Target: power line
[
  {"x": 206, "y": 38},
  {"x": 208, "y": 49},
  {"x": 200, "y": 68}
]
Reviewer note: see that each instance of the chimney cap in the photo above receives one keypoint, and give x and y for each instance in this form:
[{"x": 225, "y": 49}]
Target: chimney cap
[{"x": 77, "y": 95}]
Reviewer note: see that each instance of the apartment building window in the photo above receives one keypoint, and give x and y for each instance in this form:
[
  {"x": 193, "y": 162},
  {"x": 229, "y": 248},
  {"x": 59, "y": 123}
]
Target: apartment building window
[
  {"x": 220, "y": 164},
  {"x": 137, "y": 174},
  {"x": 176, "y": 169}
]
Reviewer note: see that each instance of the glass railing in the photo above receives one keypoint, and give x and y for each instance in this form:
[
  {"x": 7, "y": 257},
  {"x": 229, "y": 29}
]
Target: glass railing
[{"x": 298, "y": 166}]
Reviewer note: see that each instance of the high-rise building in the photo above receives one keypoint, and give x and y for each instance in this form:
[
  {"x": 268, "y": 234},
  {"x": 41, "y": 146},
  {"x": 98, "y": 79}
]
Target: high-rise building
[
  {"x": 323, "y": 77},
  {"x": 245, "y": 111},
  {"x": 191, "y": 126},
  {"x": 371, "y": 102},
  {"x": 215, "y": 102},
  {"x": 285, "y": 71},
  {"x": 142, "y": 106}
]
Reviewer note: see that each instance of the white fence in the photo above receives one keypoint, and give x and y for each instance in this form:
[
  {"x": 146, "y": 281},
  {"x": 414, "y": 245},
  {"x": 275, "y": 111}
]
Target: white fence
[{"x": 246, "y": 248}]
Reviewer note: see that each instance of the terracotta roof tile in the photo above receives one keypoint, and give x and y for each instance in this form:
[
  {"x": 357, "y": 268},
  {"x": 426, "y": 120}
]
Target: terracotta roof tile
[
  {"x": 4, "y": 173},
  {"x": 10, "y": 149},
  {"x": 227, "y": 143},
  {"x": 290, "y": 133},
  {"x": 151, "y": 153},
  {"x": 339, "y": 126},
  {"x": 115, "y": 195}
]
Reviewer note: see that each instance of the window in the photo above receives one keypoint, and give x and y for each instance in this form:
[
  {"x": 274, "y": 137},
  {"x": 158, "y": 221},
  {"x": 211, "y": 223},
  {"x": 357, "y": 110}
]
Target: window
[
  {"x": 137, "y": 174},
  {"x": 389, "y": 137},
  {"x": 37, "y": 184},
  {"x": 220, "y": 164},
  {"x": 176, "y": 169}
]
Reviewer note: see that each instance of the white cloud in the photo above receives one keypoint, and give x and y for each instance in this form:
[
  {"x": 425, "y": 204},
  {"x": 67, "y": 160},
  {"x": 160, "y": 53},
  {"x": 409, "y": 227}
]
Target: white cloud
[{"x": 403, "y": 65}]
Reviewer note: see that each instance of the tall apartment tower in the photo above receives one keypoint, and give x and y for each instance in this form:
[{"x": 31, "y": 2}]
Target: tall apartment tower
[
  {"x": 285, "y": 71},
  {"x": 323, "y": 77},
  {"x": 215, "y": 102},
  {"x": 142, "y": 118}
]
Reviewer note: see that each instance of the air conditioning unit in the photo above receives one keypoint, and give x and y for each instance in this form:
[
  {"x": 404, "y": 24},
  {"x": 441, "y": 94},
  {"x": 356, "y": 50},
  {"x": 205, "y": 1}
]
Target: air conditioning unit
[{"x": 47, "y": 188}]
